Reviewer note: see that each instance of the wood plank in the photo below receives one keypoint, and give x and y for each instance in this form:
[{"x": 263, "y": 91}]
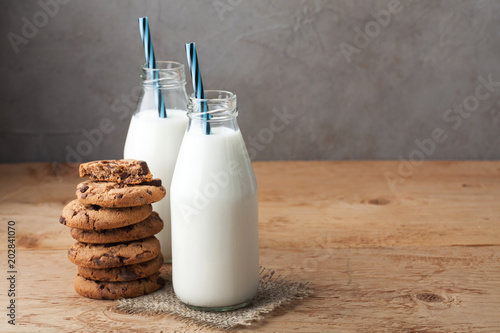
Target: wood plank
[{"x": 352, "y": 203}]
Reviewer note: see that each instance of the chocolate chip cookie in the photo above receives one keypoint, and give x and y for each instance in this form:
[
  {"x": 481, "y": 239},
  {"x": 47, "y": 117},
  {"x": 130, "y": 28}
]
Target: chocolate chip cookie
[
  {"x": 93, "y": 217},
  {"x": 112, "y": 195},
  {"x": 115, "y": 290},
  {"x": 119, "y": 171},
  {"x": 124, "y": 273},
  {"x": 115, "y": 254},
  {"x": 148, "y": 227}
]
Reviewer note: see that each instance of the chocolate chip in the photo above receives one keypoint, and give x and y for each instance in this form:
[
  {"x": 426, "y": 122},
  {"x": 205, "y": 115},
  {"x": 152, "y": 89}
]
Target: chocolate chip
[
  {"x": 121, "y": 259},
  {"x": 144, "y": 167},
  {"x": 97, "y": 261},
  {"x": 94, "y": 207},
  {"x": 127, "y": 275},
  {"x": 62, "y": 220},
  {"x": 149, "y": 192},
  {"x": 119, "y": 196},
  {"x": 124, "y": 175},
  {"x": 83, "y": 188},
  {"x": 84, "y": 195},
  {"x": 101, "y": 286},
  {"x": 155, "y": 182}
]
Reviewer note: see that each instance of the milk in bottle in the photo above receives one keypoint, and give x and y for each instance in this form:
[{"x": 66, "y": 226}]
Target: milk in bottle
[{"x": 157, "y": 140}]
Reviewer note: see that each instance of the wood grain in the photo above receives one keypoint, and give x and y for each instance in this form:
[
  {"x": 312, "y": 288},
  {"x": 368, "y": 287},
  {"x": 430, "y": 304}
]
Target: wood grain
[{"x": 424, "y": 257}]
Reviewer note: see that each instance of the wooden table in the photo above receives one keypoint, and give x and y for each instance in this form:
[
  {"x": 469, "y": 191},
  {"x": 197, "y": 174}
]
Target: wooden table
[{"x": 423, "y": 255}]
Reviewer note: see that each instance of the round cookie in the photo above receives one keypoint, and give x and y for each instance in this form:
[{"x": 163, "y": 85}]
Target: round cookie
[
  {"x": 115, "y": 290},
  {"x": 93, "y": 217},
  {"x": 124, "y": 273},
  {"x": 148, "y": 227},
  {"x": 114, "y": 255},
  {"x": 112, "y": 195}
]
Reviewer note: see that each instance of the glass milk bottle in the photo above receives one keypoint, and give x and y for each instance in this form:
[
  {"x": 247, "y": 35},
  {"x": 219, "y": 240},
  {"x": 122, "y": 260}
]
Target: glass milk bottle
[
  {"x": 215, "y": 241},
  {"x": 157, "y": 140}
]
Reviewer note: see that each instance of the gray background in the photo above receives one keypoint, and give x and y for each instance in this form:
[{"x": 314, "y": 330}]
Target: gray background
[{"x": 273, "y": 55}]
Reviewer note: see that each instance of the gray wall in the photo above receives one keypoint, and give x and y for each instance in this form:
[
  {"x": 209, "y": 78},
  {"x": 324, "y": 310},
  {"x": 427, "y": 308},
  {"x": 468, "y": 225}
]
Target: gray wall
[{"x": 281, "y": 55}]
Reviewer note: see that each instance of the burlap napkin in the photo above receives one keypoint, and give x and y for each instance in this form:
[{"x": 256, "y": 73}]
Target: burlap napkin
[{"x": 274, "y": 291}]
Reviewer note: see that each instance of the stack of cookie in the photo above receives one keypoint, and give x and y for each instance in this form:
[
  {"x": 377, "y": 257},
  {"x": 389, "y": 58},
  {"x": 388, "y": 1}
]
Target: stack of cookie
[{"x": 114, "y": 224}]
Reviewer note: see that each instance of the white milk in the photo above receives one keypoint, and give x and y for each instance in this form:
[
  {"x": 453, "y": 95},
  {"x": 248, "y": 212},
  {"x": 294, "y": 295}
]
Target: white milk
[
  {"x": 157, "y": 141},
  {"x": 215, "y": 248}
]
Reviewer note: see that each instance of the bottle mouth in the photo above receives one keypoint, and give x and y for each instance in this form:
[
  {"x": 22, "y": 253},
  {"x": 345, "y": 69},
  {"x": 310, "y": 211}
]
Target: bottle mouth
[
  {"x": 166, "y": 74},
  {"x": 217, "y": 105}
]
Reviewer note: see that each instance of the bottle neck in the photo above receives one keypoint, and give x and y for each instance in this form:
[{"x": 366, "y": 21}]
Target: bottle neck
[
  {"x": 214, "y": 114},
  {"x": 168, "y": 74},
  {"x": 168, "y": 78},
  {"x": 214, "y": 127}
]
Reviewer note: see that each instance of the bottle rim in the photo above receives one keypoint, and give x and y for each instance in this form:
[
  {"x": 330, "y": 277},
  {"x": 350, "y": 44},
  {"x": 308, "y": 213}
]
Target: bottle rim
[
  {"x": 166, "y": 74},
  {"x": 164, "y": 65},
  {"x": 221, "y": 105}
]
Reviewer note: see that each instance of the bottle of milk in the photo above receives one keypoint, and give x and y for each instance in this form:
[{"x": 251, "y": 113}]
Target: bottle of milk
[
  {"x": 157, "y": 140},
  {"x": 215, "y": 241}
]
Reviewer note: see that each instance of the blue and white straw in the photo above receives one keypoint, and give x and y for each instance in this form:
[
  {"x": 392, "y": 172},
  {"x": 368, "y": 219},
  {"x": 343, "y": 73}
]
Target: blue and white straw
[
  {"x": 199, "y": 93},
  {"x": 151, "y": 63}
]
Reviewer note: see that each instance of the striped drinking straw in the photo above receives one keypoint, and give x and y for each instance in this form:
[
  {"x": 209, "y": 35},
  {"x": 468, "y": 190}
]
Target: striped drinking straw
[
  {"x": 199, "y": 93},
  {"x": 151, "y": 63}
]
